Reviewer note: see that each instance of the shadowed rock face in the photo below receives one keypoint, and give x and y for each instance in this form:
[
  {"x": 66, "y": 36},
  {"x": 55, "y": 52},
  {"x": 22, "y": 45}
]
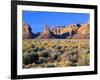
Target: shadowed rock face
[
  {"x": 78, "y": 31},
  {"x": 27, "y": 32}
]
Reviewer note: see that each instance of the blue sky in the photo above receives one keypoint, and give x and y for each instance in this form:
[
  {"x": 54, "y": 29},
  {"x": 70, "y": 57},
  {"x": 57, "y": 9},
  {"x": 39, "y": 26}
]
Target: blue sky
[{"x": 37, "y": 19}]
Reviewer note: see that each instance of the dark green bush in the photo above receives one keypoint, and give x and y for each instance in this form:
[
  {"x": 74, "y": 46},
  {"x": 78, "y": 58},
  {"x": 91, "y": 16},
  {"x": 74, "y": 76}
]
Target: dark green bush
[
  {"x": 55, "y": 56},
  {"x": 45, "y": 54},
  {"x": 33, "y": 46},
  {"x": 41, "y": 48},
  {"x": 42, "y": 60},
  {"x": 29, "y": 58},
  {"x": 35, "y": 49}
]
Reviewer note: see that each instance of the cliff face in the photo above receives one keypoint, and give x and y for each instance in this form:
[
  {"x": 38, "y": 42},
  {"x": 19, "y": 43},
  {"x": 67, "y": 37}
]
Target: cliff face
[
  {"x": 67, "y": 29},
  {"x": 83, "y": 32},
  {"x": 27, "y": 32},
  {"x": 84, "y": 29},
  {"x": 77, "y": 31}
]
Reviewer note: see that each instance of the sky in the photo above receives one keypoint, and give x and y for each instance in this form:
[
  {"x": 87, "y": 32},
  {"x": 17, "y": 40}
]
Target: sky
[{"x": 36, "y": 20}]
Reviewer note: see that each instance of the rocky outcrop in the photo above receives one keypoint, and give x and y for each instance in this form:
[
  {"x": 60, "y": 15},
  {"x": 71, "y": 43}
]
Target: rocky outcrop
[
  {"x": 84, "y": 29},
  {"x": 83, "y": 32},
  {"x": 76, "y": 31},
  {"x": 66, "y": 29},
  {"x": 27, "y": 32},
  {"x": 46, "y": 34}
]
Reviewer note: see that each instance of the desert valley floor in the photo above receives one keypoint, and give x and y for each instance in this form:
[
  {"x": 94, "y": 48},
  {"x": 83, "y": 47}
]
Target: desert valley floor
[{"x": 45, "y": 53}]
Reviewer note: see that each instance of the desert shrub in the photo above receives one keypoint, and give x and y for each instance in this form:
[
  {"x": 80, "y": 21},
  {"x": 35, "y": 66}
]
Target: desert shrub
[
  {"x": 58, "y": 52},
  {"x": 29, "y": 58},
  {"x": 55, "y": 56},
  {"x": 46, "y": 43},
  {"x": 83, "y": 59},
  {"x": 65, "y": 55},
  {"x": 43, "y": 60},
  {"x": 33, "y": 46},
  {"x": 73, "y": 57},
  {"x": 61, "y": 51},
  {"x": 26, "y": 45},
  {"x": 35, "y": 49},
  {"x": 75, "y": 47},
  {"x": 67, "y": 63},
  {"x": 53, "y": 46},
  {"x": 41, "y": 48},
  {"x": 29, "y": 50},
  {"x": 58, "y": 47},
  {"x": 44, "y": 54},
  {"x": 24, "y": 50},
  {"x": 39, "y": 53}
]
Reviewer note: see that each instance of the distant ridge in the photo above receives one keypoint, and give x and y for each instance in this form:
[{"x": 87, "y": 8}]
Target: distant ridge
[{"x": 76, "y": 31}]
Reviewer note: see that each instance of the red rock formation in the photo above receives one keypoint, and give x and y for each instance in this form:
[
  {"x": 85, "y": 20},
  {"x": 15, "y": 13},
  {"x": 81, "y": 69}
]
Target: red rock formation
[
  {"x": 84, "y": 29},
  {"x": 46, "y": 34},
  {"x": 78, "y": 31},
  {"x": 83, "y": 32},
  {"x": 27, "y": 33}
]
